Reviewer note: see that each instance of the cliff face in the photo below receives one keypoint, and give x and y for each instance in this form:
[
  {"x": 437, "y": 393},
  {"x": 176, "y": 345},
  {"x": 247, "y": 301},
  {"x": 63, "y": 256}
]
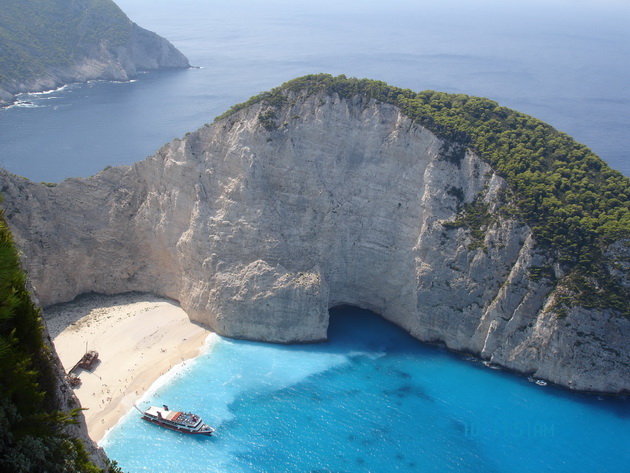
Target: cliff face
[
  {"x": 261, "y": 222},
  {"x": 34, "y": 390},
  {"x": 66, "y": 402},
  {"x": 44, "y": 46}
]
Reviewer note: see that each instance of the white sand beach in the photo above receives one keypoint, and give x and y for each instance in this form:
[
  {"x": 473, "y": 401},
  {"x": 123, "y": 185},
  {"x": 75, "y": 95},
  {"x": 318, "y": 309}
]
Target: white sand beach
[{"x": 139, "y": 337}]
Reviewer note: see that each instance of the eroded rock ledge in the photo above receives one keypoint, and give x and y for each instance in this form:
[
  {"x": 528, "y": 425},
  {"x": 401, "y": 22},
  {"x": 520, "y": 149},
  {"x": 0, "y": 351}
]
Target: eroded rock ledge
[{"x": 259, "y": 223}]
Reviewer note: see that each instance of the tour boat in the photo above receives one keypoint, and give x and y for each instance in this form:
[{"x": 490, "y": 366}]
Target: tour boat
[{"x": 185, "y": 422}]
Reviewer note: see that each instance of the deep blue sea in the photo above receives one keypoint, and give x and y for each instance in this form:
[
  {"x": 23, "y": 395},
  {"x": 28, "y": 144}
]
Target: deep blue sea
[
  {"x": 371, "y": 399},
  {"x": 563, "y": 61}
]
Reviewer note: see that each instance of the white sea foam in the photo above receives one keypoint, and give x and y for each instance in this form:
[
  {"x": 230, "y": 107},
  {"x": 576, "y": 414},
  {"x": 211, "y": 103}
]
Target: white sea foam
[
  {"x": 32, "y": 99},
  {"x": 24, "y": 104},
  {"x": 104, "y": 442},
  {"x": 367, "y": 354},
  {"x": 50, "y": 91},
  {"x": 180, "y": 369}
]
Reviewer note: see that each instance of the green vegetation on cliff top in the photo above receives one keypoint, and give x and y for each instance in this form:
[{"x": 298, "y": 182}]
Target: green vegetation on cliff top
[
  {"x": 574, "y": 202},
  {"x": 37, "y": 36}
]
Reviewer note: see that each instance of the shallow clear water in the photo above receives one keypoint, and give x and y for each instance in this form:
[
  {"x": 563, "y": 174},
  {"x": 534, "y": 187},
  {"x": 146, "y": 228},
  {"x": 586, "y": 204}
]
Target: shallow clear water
[
  {"x": 562, "y": 61},
  {"x": 371, "y": 399}
]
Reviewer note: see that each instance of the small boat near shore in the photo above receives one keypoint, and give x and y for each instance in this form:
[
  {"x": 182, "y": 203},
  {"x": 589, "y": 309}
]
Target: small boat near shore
[
  {"x": 539, "y": 382},
  {"x": 184, "y": 422}
]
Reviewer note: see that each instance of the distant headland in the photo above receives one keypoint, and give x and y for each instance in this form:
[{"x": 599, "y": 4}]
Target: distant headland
[{"x": 44, "y": 45}]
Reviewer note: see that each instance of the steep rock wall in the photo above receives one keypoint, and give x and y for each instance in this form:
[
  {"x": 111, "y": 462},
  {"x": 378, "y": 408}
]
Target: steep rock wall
[
  {"x": 261, "y": 222},
  {"x": 66, "y": 402}
]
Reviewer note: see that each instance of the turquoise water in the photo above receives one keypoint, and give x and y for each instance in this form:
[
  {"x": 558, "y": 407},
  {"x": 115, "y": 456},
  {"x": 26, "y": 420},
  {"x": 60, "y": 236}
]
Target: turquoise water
[
  {"x": 565, "y": 62},
  {"x": 372, "y": 399}
]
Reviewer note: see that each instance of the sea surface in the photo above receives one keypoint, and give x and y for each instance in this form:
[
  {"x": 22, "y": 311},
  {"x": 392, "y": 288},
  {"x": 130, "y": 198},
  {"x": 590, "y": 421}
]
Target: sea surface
[
  {"x": 563, "y": 61},
  {"x": 371, "y": 399}
]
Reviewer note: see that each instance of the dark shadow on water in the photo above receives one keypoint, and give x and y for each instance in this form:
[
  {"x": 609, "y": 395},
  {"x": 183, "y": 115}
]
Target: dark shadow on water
[
  {"x": 352, "y": 328},
  {"x": 356, "y": 333}
]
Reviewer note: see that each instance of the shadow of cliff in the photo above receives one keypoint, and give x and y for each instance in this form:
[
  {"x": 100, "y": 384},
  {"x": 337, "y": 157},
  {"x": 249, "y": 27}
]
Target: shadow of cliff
[{"x": 58, "y": 317}]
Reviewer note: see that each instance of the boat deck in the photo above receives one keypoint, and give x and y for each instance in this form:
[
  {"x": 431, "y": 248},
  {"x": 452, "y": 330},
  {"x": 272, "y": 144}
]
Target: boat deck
[
  {"x": 179, "y": 417},
  {"x": 185, "y": 422}
]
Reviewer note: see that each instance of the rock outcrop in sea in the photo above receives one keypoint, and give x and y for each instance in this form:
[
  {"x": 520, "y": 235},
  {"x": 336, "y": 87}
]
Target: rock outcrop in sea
[
  {"x": 46, "y": 45},
  {"x": 261, "y": 222}
]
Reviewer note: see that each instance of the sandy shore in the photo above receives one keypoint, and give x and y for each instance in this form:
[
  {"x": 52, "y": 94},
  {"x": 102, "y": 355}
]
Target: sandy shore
[{"x": 139, "y": 337}]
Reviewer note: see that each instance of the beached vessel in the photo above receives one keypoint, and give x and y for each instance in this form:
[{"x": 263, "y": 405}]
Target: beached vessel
[
  {"x": 185, "y": 422},
  {"x": 88, "y": 360}
]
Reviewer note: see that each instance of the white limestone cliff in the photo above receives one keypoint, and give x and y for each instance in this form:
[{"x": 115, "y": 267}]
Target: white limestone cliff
[{"x": 258, "y": 228}]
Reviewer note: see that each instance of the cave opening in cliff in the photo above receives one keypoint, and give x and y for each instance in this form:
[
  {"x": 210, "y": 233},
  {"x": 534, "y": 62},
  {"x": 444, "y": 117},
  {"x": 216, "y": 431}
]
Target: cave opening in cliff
[{"x": 354, "y": 326}]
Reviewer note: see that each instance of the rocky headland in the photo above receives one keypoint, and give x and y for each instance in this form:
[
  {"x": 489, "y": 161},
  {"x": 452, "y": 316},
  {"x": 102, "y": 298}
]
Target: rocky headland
[
  {"x": 44, "y": 45},
  {"x": 309, "y": 198}
]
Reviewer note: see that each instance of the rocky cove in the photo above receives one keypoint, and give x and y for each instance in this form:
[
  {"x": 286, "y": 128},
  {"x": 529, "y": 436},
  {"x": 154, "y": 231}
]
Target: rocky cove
[{"x": 262, "y": 221}]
